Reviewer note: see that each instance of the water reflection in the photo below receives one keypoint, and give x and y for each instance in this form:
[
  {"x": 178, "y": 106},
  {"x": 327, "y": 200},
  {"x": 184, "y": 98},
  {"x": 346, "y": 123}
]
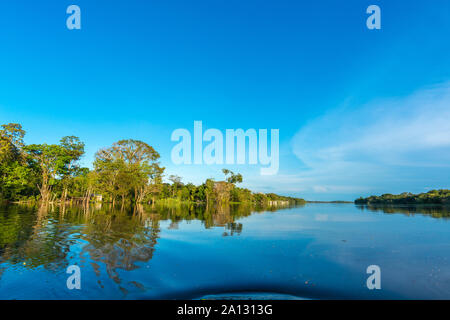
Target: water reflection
[
  {"x": 43, "y": 236},
  {"x": 435, "y": 211},
  {"x": 119, "y": 239},
  {"x": 194, "y": 251},
  {"x": 29, "y": 236}
]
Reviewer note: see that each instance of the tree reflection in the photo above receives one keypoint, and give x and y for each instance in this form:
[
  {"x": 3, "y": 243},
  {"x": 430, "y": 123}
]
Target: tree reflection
[
  {"x": 34, "y": 239},
  {"x": 434, "y": 211},
  {"x": 120, "y": 239},
  {"x": 47, "y": 236}
]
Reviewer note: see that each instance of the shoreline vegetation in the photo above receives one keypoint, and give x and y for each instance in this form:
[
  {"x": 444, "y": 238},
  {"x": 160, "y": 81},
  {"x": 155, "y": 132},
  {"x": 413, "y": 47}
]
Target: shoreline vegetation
[
  {"x": 335, "y": 201},
  {"x": 433, "y": 197},
  {"x": 126, "y": 173}
]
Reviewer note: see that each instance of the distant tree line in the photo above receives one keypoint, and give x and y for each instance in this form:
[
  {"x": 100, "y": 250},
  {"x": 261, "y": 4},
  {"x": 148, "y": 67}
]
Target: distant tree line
[
  {"x": 126, "y": 172},
  {"x": 431, "y": 197}
]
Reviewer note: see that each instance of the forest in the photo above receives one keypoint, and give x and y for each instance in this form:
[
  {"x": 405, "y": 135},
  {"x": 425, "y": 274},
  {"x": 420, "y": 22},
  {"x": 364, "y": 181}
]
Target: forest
[
  {"x": 128, "y": 172},
  {"x": 431, "y": 197}
]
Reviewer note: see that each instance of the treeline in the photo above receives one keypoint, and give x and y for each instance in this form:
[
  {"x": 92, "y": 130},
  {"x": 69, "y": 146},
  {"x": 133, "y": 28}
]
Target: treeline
[
  {"x": 431, "y": 197},
  {"x": 127, "y": 172}
]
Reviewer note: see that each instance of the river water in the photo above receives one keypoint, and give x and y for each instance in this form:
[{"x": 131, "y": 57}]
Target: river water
[{"x": 315, "y": 251}]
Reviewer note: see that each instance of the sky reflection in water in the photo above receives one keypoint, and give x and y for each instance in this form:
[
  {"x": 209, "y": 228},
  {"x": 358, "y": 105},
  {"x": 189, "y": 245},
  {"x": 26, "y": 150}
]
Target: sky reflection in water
[{"x": 313, "y": 251}]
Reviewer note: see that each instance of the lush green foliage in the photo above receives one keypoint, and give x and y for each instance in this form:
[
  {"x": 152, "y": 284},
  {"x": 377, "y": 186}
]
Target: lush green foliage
[
  {"x": 127, "y": 172},
  {"x": 431, "y": 197}
]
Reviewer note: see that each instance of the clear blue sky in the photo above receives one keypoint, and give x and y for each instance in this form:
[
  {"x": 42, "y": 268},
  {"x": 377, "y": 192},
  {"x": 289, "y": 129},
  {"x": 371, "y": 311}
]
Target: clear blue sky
[{"x": 359, "y": 111}]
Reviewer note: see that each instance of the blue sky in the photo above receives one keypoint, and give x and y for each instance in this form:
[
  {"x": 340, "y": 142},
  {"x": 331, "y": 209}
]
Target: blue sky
[{"x": 359, "y": 111}]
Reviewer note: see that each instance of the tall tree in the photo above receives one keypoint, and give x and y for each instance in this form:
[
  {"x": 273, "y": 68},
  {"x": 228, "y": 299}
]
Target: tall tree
[
  {"x": 209, "y": 190},
  {"x": 11, "y": 141},
  {"x": 232, "y": 177},
  {"x": 73, "y": 150},
  {"x": 15, "y": 175},
  {"x": 131, "y": 166},
  {"x": 176, "y": 182},
  {"x": 49, "y": 159},
  {"x": 107, "y": 169}
]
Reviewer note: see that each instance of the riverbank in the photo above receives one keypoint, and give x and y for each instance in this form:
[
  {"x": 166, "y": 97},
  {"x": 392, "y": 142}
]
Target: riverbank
[
  {"x": 433, "y": 197},
  {"x": 338, "y": 201}
]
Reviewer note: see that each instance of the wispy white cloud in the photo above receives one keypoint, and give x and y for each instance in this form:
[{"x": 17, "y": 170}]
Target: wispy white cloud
[
  {"x": 357, "y": 148},
  {"x": 390, "y": 145},
  {"x": 387, "y": 131}
]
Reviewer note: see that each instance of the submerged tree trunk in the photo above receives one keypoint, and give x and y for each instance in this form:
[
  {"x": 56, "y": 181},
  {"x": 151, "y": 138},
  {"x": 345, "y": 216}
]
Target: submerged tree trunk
[
  {"x": 123, "y": 202},
  {"x": 45, "y": 191},
  {"x": 87, "y": 196},
  {"x": 64, "y": 195}
]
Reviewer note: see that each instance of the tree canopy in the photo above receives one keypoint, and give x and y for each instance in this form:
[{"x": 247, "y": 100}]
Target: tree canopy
[
  {"x": 431, "y": 197},
  {"x": 128, "y": 172}
]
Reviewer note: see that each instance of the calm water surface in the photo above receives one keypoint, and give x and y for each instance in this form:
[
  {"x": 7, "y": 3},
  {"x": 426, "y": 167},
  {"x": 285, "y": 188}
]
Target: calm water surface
[{"x": 313, "y": 251}]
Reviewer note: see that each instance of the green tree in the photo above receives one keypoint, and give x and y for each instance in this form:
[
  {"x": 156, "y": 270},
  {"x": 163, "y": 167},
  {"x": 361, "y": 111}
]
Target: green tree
[
  {"x": 128, "y": 168},
  {"x": 49, "y": 159},
  {"x": 209, "y": 190},
  {"x": 11, "y": 142},
  {"x": 15, "y": 173},
  {"x": 231, "y": 177},
  {"x": 72, "y": 151},
  {"x": 176, "y": 182}
]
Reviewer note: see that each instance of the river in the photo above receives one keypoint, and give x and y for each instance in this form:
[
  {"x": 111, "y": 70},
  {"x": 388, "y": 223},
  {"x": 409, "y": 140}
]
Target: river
[{"x": 315, "y": 251}]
